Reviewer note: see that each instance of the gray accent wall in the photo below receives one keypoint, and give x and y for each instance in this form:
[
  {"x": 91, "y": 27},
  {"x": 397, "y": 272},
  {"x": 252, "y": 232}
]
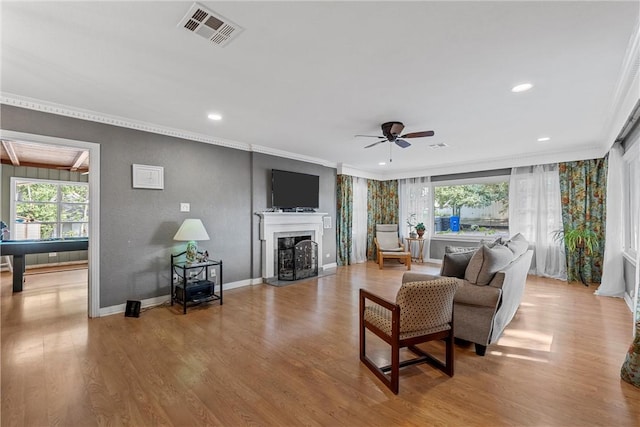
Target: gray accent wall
[{"x": 224, "y": 186}]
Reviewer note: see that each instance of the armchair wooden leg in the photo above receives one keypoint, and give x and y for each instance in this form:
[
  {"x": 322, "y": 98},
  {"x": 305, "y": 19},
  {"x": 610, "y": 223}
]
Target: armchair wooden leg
[
  {"x": 395, "y": 367},
  {"x": 449, "y": 356}
]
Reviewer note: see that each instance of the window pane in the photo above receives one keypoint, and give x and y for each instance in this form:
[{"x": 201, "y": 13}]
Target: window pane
[
  {"x": 36, "y": 192},
  {"x": 70, "y": 229},
  {"x": 472, "y": 209},
  {"x": 36, "y": 212},
  {"x": 32, "y": 230},
  {"x": 75, "y": 212},
  {"x": 75, "y": 193}
]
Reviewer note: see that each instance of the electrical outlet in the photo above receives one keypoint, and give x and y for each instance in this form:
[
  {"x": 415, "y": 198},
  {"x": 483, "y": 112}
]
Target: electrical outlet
[
  {"x": 185, "y": 207},
  {"x": 213, "y": 273},
  {"x": 328, "y": 255}
]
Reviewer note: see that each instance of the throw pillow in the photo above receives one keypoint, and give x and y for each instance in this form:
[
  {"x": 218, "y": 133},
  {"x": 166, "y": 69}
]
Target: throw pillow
[
  {"x": 455, "y": 264},
  {"x": 458, "y": 249},
  {"x": 486, "y": 262},
  {"x": 492, "y": 243},
  {"x": 518, "y": 244}
]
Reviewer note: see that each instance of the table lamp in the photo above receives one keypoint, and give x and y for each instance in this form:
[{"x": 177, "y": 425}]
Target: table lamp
[{"x": 191, "y": 231}]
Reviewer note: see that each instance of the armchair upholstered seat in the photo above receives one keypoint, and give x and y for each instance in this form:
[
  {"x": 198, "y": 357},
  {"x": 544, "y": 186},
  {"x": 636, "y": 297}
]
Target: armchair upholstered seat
[
  {"x": 423, "y": 311},
  {"x": 389, "y": 245}
]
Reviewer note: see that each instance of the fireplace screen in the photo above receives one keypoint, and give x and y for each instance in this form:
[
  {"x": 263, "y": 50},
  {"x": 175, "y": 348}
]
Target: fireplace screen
[{"x": 297, "y": 258}]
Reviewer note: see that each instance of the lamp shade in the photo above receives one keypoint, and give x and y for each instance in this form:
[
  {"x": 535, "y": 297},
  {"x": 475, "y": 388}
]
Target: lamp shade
[{"x": 191, "y": 229}]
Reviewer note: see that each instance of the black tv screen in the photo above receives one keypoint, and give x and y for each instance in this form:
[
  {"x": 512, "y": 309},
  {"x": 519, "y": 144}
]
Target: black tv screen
[{"x": 293, "y": 190}]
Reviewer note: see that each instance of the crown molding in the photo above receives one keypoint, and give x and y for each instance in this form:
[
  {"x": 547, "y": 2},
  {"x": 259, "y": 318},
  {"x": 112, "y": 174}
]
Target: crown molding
[
  {"x": 593, "y": 152},
  {"x": 293, "y": 156},
  {"x": 627, "y": 91},
  {"x": 93, "y": 116},
  {"x": 442, "y": 169}
]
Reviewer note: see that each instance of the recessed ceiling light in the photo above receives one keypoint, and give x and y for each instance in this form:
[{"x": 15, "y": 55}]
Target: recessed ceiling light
[
  {"x": 544, "y": 139},
  {"x": 214, "y": 116},
  {"x": 521, "y": 87},
  {"x": 381, "y": 163}
]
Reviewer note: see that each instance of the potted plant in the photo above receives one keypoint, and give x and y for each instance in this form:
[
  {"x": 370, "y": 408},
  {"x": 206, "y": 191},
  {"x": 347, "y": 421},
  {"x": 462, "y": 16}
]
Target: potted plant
[
  {"x": 420, "y": 229},
  {"x": 579, "y": 239}
]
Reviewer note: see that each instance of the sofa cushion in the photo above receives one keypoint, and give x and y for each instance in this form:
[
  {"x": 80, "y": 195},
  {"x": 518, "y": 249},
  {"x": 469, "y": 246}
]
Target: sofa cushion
[
  {"x": 455, "y": 264},
  {"x": 457, "y": 249},
  {"x": 518, "y": 244},
  {"x": 486, "y": 262}
]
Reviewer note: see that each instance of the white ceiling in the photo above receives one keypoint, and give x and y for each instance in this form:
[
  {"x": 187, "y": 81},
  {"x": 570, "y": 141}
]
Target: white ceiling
[{"x": 305, "y": 77}]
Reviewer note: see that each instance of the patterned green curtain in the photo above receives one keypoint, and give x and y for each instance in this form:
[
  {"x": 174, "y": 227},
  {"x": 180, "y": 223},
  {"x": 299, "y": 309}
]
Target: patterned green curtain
[
  {"x": 344, "y": 218},
  {"x": 382, "y": 208},
  {"x": 583, "y": 188}
]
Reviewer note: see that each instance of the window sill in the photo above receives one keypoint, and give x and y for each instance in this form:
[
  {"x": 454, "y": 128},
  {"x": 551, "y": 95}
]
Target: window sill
[{"x": 467, "y": 237}]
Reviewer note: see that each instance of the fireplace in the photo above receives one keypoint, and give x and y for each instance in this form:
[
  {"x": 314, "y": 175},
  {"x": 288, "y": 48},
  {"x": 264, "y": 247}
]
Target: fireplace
[
  {"x": 274, "y": 225},
  {"x": 297, "y": 258}
]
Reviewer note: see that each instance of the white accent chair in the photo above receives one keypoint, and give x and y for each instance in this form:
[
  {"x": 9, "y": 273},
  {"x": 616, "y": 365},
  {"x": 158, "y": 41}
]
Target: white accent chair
[{"x": 389, "y": 245}]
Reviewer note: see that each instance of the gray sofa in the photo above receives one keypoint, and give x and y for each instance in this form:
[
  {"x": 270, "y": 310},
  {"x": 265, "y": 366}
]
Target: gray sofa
[{"x": 491, "y": 285}]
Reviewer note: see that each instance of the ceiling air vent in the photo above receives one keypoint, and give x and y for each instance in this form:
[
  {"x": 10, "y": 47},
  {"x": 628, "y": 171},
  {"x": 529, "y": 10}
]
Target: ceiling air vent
[
  {"x": 213, "y": 27},
  {"x": 438, "y": 146}
]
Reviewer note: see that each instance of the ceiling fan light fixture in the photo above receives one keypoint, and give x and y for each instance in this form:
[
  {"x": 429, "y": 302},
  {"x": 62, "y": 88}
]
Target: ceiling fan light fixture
[
  {"x": 544, "y": 139},
  {"x": 215, "y": 117},
  {"x": 382, "y": 163},
  {"x": 522, "y": 87}
]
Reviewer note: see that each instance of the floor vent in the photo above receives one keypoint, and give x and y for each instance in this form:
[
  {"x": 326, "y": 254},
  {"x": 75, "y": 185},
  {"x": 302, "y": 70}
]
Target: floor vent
[{"x": 213, "y": 27}]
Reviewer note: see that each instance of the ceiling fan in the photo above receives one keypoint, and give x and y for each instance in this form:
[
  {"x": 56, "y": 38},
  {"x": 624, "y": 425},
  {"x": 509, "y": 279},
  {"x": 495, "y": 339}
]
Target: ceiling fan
[{"x": 391, "y": 132}]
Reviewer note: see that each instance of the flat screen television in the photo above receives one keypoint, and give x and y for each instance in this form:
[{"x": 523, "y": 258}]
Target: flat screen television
[{"x": 294, "y": 190}]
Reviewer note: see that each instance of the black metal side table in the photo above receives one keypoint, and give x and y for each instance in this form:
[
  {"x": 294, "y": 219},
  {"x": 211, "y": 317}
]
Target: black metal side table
[{"x": 195, "y": 283}]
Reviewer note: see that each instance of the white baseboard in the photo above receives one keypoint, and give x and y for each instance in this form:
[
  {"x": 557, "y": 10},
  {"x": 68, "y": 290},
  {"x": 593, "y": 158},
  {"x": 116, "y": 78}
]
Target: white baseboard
[
  {"x": 152, "y": 302},
  {"x": 145, "y": 303}
]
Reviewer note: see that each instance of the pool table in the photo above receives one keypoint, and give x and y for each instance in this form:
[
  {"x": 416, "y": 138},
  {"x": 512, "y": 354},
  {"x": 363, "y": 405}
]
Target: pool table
[{"x": 19, "y": 248}]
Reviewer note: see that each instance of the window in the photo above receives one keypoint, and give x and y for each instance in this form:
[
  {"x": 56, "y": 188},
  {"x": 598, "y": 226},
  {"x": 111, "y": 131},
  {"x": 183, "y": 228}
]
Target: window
[
  {"x": 44, "y": 209},
  {"x": 632, "y": 201},
  {"x": 478, "y": 207}
]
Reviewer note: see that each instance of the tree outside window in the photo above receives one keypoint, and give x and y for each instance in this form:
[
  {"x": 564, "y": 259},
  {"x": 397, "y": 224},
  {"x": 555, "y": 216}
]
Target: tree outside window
[
  {"x": 483, "y": 209},
  {"x": 49, "y": 209}
]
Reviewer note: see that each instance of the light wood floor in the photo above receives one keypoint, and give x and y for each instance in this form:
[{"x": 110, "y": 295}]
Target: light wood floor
[{"x": 288, "y": 356}]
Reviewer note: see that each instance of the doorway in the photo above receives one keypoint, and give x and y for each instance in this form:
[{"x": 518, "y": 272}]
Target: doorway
[{"x": 93, "y": 148}]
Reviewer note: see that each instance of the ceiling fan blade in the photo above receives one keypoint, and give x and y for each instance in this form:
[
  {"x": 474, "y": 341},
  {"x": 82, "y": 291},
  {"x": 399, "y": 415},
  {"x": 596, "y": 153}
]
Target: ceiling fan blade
[
  {"x": 371, "y": 136},
  {"x": 375, "y": 143},
  {"x": 418, "y": 134},
  {"x": 402, "y": 143}
]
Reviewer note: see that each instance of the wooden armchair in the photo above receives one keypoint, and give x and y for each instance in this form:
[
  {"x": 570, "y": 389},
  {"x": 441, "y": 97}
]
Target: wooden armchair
[
  {"x": 389, "y": 245},
  {"x": 423, "y": 312}
]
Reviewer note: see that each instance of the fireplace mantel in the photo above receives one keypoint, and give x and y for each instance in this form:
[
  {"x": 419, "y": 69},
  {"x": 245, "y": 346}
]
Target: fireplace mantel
[{"x": 273, "y": 224}]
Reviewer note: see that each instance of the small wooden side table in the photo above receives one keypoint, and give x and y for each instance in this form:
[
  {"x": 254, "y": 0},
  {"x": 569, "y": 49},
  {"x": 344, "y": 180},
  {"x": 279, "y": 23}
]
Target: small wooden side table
[{"x": 420, "y": 241}]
